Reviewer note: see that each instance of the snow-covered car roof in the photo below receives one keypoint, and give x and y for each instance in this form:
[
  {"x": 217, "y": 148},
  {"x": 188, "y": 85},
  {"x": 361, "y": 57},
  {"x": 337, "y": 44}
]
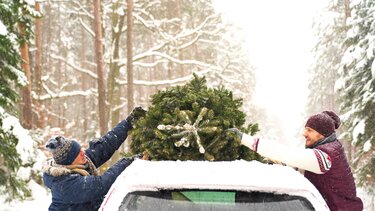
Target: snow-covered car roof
[{"x": 238, "y": 175}]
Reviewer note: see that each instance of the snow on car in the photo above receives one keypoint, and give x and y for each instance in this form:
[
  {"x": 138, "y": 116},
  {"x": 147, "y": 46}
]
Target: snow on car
[{"x": 204, "y": 185}]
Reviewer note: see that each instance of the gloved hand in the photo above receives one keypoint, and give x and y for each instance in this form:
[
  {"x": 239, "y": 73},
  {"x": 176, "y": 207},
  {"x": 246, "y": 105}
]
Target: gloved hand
[
  {"x": 272, "y": 161},
  {"x": 137, "y": 113},
  {"x": 136, "y": 156},
  {"x": 130, "y": 159},
  {"x": 246, "y": 140},
  {"x": 236, "y": 131}
]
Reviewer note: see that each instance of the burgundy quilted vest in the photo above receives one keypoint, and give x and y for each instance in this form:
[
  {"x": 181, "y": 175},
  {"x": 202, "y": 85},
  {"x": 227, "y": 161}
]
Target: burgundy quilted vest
[{"x": 337, "y": 185}]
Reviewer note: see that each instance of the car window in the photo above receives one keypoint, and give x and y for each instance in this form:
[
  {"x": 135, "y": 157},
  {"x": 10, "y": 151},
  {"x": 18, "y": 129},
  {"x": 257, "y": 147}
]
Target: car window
[{"x": 204, "y": 200}]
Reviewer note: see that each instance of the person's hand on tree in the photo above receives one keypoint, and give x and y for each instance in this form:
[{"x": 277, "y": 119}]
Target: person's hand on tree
[
  {"x": 143, "y": 156},
  {"x": 247, "y": 140},
  {"x": 236, "y": 131},
  {"x": 136, "y": 113},
  {"x": 134, "y": 157}
]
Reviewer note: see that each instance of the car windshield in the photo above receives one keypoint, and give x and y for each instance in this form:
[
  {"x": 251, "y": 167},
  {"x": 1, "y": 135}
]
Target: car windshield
[{"x": 202, "y": 200}]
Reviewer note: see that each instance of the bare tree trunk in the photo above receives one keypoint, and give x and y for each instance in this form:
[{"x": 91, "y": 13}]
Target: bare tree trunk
[
  {"x": 26, "y": 90},
  {"x": 59, "y": 106},
  {"x": 83, "y": 82},
  {"x": 40, "y": 119},
  {"x": 129, "y": 48},
  {"x": 114, "y": 91},
  {"x": 100, "y": 67},
  {"x": 47, "y": 52},
  {"x": 129, "y": 64},
  {"x": 180, "y": 52},
  {"x": 347, "y": 8}
]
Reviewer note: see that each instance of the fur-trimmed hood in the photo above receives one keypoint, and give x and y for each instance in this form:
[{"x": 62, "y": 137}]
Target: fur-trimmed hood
[{"x": 51, "y": 168}]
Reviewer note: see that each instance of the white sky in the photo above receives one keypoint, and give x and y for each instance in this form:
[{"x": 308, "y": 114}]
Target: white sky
[{"x": 280, "y": 39}]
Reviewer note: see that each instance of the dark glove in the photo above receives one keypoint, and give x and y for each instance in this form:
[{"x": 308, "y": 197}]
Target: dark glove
[
  {"x": 236, "y": 131},
  {"x": 127, "y": 161},
  {"x": 134, "y": 157},
  {"x": 137, "y": 113}
]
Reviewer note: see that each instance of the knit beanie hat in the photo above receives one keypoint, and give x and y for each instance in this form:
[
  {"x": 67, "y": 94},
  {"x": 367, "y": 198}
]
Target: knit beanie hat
[
  {"x": 64, "y": 151},
  {"x": 324, "y": 123}
]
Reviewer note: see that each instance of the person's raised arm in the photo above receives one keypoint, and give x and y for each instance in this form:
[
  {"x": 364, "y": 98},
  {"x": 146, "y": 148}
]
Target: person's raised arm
[
  {"x": 313, "y": 160},
  {"x": 102, "y": 149}
]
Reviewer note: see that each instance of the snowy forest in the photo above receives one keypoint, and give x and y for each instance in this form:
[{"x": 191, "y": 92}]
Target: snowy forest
[{"x": 77, "y": 68}]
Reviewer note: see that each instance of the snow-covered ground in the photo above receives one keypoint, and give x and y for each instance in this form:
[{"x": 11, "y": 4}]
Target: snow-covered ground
[
  {"x": 27, "y": 148},
  {"x": 40, "y": 201}
]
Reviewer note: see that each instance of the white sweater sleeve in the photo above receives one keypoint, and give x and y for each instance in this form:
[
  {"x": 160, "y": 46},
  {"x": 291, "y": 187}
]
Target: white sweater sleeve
[{"x": 313, "y": 160}]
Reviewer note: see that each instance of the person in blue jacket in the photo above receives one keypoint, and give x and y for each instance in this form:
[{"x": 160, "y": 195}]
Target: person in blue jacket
[{"x": 72, "y": 174}]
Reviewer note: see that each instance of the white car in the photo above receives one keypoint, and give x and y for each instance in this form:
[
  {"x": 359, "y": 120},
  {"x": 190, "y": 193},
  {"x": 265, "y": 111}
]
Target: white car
[{"x": 203, "y": 185}]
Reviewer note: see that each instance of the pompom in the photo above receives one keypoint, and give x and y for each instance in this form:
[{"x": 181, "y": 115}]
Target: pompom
[{"x": 54, "y": 143}]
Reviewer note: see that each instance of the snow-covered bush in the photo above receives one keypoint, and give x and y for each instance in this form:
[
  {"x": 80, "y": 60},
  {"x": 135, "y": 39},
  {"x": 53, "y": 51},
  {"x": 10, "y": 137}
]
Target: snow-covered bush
[{"x": 20, "y": 161}]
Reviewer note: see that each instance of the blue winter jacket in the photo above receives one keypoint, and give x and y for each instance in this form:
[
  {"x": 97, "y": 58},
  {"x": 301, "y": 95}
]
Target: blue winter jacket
[{"x": 76, "y": 192}]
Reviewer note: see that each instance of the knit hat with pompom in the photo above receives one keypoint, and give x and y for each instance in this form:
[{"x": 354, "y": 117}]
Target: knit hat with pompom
[
  {"x": 64, "y": 151},
  {"x": 324, "y": 123}
]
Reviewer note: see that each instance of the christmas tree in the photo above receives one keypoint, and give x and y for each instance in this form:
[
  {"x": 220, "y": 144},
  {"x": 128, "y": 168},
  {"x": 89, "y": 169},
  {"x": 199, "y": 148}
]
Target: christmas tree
[{"x": 190, "y": 122}]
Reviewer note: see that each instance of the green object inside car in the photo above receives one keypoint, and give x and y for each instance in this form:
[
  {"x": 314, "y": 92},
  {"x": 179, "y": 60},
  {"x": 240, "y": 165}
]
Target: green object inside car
[{"x": 205, "y": 196}]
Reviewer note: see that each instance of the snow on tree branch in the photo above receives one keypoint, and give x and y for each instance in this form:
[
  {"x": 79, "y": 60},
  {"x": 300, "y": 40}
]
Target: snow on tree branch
[
  {"x": 177, "y": 61},
  {"x": 82, "y": 70},
  {"x": 167, "y": 82},
  {"x": 187, "y": 130},
  {"x": 87, "y": 28},
  {"x": 63, "y": 94},
  {"x": 79, "y": 8},
  {"x": 173, "y": 39}
]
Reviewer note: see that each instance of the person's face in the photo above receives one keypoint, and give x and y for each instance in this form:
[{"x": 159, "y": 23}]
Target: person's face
[
  {"x": 311, "y": 136},
  {"x": 80, "y": 159}
]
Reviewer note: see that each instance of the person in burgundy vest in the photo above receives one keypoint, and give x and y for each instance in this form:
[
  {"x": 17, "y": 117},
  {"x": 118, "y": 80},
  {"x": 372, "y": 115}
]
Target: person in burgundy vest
[{"x": 323, "y": 160}]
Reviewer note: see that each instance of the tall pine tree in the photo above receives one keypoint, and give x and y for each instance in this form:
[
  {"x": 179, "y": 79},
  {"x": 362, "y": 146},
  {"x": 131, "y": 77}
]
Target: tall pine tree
[
  {"x": 357, "y": 89},
  {"x": 189, "y": 123},
  {"x": 12, "y": 12},
  {"x": 330, "y": 31}
]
